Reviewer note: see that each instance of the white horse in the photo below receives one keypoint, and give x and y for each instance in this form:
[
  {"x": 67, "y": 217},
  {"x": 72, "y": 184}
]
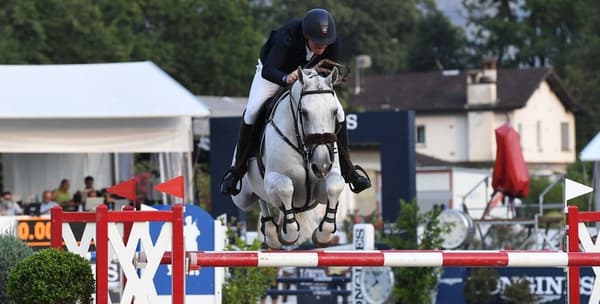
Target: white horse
[{"x": 297, "y": 167}]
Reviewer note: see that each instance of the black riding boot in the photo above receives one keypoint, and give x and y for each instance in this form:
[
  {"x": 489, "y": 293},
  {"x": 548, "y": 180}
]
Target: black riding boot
[
  {"x": 233, "y": 176},
  {"x": 358, "y": 182}
]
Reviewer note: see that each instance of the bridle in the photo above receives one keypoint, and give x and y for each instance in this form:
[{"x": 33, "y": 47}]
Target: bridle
[{"x": 306, "y": 143}]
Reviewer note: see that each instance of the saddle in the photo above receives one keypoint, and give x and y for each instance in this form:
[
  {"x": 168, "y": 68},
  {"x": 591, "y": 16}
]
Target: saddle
[{"x": 261, "y": 121}]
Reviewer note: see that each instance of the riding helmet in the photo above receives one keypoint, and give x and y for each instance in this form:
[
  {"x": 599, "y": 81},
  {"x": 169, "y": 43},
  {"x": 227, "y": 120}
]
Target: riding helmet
[{"x": 318, "y": 26}]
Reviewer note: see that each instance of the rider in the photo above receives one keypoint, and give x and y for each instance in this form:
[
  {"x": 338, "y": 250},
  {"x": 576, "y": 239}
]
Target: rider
[{"x": 299, "y": 42}]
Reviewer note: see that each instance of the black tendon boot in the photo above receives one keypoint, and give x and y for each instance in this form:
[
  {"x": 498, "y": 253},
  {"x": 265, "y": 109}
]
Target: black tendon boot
[
  {"x": 233, "y": 176},
  {"x": 358, "y": 181}
]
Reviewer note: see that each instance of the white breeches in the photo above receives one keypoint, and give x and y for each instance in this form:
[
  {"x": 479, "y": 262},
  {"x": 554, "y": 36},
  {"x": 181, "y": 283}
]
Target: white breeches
[{"x": 261, "y": 90}]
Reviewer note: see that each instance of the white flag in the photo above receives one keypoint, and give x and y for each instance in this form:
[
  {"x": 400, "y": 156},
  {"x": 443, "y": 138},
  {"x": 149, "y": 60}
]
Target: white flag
[{"x": 575, "y": 189}]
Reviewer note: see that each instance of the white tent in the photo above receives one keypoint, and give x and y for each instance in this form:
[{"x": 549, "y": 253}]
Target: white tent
[
  {"x": 92, "y": 109},
  {"x": 591, "y": 152}
]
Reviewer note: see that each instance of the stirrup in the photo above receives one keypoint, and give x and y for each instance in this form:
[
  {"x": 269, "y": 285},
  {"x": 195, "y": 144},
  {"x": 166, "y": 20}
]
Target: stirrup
[
  {"x": 361, "y": 185},
  {"x": 231, "y": 189}
]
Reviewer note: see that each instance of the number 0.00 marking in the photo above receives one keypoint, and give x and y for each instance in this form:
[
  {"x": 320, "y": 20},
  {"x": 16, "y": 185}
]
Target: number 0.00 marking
[{"x": 41, "y": 231}]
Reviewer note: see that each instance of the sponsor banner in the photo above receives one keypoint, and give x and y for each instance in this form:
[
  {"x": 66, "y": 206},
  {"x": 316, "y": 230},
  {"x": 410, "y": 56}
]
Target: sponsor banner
[
  {"x": 199, "y": 235},
  {"x": 548, "y": 284}
]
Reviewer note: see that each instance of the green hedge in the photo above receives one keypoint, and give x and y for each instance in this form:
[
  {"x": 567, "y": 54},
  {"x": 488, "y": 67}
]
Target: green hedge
[
  {"x": 51, "y": 276},
  {"x": 12, "y": 251}
]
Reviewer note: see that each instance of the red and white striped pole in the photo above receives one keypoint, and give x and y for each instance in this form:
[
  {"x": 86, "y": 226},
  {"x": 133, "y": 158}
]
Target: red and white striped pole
[{"x": 393, "y": 258}]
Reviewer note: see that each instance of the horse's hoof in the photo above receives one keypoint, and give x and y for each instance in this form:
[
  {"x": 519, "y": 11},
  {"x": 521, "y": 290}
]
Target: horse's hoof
[
  {"x": 269, "y": 230},
  {"x": 283, "y": 241},
  {"x": 273, "y": 243},
  {"x": 320, "y": 243},
  {"x": 287, "y": 243}
]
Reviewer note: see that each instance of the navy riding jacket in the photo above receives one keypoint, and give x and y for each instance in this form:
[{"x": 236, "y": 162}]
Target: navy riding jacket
[{"x": 285, "y": 51}]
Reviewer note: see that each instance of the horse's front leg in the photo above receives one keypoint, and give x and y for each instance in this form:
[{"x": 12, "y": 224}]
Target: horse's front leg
[
  {"x": 324, "y": 232},
  {"x": 280, "y": 190},
  {"x": 268, "y": 226}
]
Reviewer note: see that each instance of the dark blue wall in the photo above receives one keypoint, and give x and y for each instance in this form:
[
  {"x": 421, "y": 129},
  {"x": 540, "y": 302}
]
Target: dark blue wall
[{"x": 392, "y": 131}]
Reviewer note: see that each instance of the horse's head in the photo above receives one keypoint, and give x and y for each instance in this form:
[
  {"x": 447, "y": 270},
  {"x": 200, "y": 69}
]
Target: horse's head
[{"x": 317, "y": 107}]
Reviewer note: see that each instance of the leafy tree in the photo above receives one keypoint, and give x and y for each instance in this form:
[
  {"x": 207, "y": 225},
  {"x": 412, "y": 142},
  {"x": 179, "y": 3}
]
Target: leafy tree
[
  {"x": 437, "y": 44},
  {"x": 550, "y": 27},
  {"x": 414, "y": 284},
  {"x": 209, "y": 46},
  {"x": 581, "y": 76},
  {"x": 524, "y": 33},
  {"x": 42, "y": 32},
  {"x": 496, "y": 29}
]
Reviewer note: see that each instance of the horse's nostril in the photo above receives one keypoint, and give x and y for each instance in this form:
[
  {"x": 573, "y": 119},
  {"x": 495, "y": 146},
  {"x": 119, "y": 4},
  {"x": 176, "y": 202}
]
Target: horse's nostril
[
  {"x": 320, "y": 171},
  {"x": 315, "y": 169}
]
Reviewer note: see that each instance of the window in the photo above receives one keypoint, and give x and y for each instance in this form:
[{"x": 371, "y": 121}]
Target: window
[
  {"x": 565, "y": 144},
  {"x": 421, "y": 134}
]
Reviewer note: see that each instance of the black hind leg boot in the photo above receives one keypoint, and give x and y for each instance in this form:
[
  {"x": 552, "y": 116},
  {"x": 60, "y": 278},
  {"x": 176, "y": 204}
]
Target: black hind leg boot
[
  {"x": 231, "y": 181},
  {"x": 354, "y": 175}
]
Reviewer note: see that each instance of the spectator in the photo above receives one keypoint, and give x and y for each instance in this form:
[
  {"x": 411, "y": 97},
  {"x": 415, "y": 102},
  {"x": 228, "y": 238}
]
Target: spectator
[
  {"x": 89, "y": 188},
  {"x": 47, "y": 202},
  {"x": 61, "y": 194},
  {"x": 8, "y": 206}
]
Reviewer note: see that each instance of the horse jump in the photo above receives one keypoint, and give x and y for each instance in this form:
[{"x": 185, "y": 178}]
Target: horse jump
[
  {"x": 395, "y": 258},
  {"x": 106, "y": 234}
]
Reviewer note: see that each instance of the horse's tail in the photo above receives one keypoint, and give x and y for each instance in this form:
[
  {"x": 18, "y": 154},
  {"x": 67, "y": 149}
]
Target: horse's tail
[{"x": 309, "y": 221}]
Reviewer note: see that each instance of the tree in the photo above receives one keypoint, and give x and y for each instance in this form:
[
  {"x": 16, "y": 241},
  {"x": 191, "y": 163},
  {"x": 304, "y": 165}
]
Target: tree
[
  {"x": 414, "y": 284},
  {"x": 496, "y": 30},
  {"x": 581, "y": 76},
  {"x": 42, "y": 32},
  {"x": 524, "y": 33},
  {"x": 209, "y": 46},
  {"x": 437, "y": 44}
]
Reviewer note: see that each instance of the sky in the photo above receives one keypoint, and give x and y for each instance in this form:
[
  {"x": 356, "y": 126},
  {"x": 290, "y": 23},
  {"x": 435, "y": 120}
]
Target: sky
[{"x": 453, "y": 9}]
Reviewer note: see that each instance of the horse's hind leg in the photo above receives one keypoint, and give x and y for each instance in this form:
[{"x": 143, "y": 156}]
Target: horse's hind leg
[
  {"x": 280, "y": 188},
  {"x": 268, "y": 226},
  {"x": 324, "y": 232}
]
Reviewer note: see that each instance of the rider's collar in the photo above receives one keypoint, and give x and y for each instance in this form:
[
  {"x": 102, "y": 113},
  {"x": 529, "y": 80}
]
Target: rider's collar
[{"x": 309, "y": 53}]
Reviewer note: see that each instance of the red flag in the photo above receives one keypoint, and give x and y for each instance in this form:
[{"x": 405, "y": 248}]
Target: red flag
[
  {"x": 173, "y": 186},
  {"x": 125, "y": 189}
]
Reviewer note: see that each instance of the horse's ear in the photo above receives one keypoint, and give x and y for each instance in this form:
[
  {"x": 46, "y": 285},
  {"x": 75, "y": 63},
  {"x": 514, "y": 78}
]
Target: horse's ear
[
  {"x": 334, "y": 76},
  {"x": 300, "y": 75}
]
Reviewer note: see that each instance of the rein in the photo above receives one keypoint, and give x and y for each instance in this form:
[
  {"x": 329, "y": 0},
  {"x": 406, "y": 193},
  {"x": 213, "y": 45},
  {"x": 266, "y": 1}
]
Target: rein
[{"x": 305, "y": 141}]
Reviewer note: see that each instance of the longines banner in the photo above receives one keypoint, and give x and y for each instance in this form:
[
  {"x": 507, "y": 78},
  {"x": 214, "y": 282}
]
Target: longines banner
[{"x": 548, "y": 284}]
